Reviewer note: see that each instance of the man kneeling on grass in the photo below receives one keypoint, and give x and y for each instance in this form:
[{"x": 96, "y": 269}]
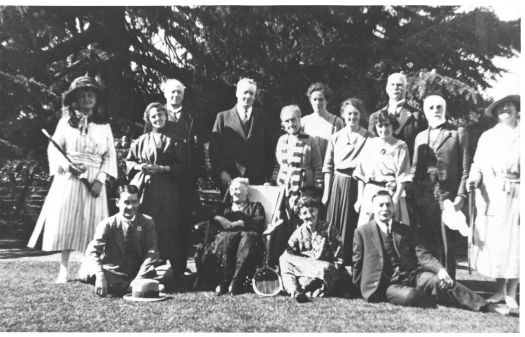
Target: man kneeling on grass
[
  {"x": 390, "y": 265},
  {"x": 124, "y": 248},
  {"x": 312, "y": 263}
]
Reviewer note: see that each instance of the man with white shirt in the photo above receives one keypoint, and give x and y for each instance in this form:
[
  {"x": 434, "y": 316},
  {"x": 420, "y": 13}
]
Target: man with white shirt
[
  {"x": 389, "y": 264},
  {"x": 242, "y": 142},
  {"x": 410, "y": 120},
  {"x": 182, "y": 125}
]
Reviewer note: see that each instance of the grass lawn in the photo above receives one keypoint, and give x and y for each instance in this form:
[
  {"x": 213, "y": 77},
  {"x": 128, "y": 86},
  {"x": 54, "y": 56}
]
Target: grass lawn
[{"x": 31, "y": 302}]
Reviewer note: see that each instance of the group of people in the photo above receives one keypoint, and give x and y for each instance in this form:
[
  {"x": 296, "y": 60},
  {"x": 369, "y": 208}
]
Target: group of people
[{"x": 383, "y": 189}]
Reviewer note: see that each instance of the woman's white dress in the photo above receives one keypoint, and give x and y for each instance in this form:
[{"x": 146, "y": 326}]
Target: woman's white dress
[
  {"x": 496, "y": 237},
  {"x": 70, "y": 213}
]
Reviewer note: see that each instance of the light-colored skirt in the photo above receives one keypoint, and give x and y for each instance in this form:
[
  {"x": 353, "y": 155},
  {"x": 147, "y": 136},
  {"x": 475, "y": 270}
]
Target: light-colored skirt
[
  {"x": 496, "y": 249},
  {"x": 70, "y": 214}
]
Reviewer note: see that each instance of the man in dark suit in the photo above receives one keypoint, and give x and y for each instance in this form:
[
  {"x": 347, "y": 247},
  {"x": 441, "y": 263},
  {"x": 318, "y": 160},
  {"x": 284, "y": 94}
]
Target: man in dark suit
[
  {"x": 390, "y": 265},
  {"x": 124, "y": 248},
  {"x": 410, "y": 120},
  {"x": 440, "y": 168},
  {"x": 242, "y": 143},
  {"x": 182, "y": 126}
]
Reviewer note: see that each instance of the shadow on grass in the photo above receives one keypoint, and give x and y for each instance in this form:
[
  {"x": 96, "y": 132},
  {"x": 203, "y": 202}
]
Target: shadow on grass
[{"x": 15, "y": 253}]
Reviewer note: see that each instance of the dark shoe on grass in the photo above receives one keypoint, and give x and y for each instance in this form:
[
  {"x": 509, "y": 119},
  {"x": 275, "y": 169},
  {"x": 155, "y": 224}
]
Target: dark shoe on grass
[{"x": 301, "y": 297}]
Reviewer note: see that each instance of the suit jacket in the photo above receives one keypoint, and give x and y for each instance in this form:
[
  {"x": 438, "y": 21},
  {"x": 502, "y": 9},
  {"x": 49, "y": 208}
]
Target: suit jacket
[
  {"x": 230, "y": 145},
  {"x": 107, "y": 251},
  {"x": 368, "y": 260},
  {"x": 445, "y": 160},
  {"x": 408, "y": 131},
  {"x": 185, "y": 131}
]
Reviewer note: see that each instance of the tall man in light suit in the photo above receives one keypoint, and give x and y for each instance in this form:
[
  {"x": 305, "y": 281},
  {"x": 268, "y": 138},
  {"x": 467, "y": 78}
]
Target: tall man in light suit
[
  {"x": 389, "y": 264},
  {"x": 242, "y": 143},
  {"x": 440, "y": 168},
  {"x": 182, "y": 125},
  {"x": 410, "y": 120}
]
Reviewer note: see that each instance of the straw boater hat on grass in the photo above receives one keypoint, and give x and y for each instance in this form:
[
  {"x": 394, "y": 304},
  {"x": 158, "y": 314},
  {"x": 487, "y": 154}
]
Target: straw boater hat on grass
[
  {"x": 82, "y": 82},
  {"x": 491, "y": 109}
]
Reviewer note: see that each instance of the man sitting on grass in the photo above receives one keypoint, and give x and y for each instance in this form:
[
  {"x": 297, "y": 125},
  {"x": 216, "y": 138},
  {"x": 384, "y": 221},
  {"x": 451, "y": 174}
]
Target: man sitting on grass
[
  {"x": 124, "y": 248},
  {"x": 390, "y": 265},
  {"x": 312, "y": 263}
]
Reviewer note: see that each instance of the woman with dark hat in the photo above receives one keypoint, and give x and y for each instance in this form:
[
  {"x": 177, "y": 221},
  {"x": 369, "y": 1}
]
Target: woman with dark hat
[
  {"x": 76, "y": 201},
  {"x": 495, "y": 172}
]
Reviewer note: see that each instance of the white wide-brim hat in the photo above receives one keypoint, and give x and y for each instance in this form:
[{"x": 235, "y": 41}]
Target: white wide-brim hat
[{"x": 515, "y": 99}]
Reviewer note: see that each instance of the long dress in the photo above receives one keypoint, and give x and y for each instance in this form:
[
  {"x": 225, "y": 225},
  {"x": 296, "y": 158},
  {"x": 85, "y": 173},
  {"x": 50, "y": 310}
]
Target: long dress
[
  {"x": 379, "y": 164},
  {"x": 70, "y": 213},
  {"x": 496, "y": 239},
  {"x": 341, "y": 159},
  {"x": 159, "y": 193},
  {"x": 238, "y": 252}
]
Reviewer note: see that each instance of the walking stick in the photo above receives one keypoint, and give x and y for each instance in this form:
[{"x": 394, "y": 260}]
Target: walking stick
[
  {"x": 472, "y": 223},
  {"x": 61, "y": 150}
]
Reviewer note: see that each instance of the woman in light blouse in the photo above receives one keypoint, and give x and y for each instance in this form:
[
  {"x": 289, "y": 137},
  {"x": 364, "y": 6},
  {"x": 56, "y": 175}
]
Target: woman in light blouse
[
  {"x": 321, "y": 124},
  {"x": 340, "y": 189}
]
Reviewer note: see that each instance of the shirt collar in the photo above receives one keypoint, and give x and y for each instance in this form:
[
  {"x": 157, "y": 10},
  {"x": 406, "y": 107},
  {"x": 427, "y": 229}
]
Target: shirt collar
[
  {"x": 241, "y": 110},
  {"x": 383, "y": 226},
  {"x": 126, "y": 220},
  {"x": 393, "y": 105}
]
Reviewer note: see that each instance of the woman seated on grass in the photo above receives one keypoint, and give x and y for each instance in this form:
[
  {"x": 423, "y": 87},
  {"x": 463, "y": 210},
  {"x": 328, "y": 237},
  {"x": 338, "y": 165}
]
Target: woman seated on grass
[
  {"x": 238, "y": 249},
  {"x": 311, "y": 263}
]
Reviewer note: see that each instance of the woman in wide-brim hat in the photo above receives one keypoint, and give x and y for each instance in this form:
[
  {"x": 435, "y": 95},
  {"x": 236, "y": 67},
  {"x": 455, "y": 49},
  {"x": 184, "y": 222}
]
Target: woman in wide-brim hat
[
  {"x": 76, "y": 201},
  {"x": 495, "y": 172}
]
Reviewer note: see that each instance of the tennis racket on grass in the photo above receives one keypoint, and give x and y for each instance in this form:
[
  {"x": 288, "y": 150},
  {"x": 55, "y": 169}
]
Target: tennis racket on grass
[{"x": 267, "y": 281}]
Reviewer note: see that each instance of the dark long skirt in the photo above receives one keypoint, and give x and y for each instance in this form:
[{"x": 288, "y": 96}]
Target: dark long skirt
[
  {"x": 341, "y": 212},
  {"x": 238, "y": 255}
]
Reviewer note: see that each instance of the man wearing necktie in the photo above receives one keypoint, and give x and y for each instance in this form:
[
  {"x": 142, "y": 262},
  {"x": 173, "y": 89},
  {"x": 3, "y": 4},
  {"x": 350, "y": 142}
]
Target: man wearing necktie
[
  {"x": 410, "y": 120},
  {"x": 440, "y": 169},
  {"x": 124, "y": 248},
  {"x": 242, "y": 142},
  {"x": 183, "y": 126},
  {"x": 389, "y": 264}
]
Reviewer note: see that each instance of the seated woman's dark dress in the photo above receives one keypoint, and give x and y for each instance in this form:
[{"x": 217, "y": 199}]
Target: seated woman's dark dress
[{"x": 232, "y": 257}]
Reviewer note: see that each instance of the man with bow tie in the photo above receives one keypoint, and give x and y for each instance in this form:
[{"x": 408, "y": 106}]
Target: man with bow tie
[
  {"x": 124, "y": 248},
  {"x": 182, "y": 125},
  {"x": 242, "y": 141},
  {"x": 440, "y": 169},
  {"x": 410, "y": 120},
  {"x": 389, "y": 264}
]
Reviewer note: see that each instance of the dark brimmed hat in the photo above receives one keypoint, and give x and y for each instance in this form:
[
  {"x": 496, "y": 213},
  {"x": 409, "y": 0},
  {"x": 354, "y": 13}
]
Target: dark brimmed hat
[
  {"x": 515, "y": 99},
  {"x": 82, "y": 82}
]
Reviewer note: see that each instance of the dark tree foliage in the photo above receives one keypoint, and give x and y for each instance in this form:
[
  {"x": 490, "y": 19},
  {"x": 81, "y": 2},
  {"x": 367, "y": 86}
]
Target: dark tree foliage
[{"x": 131, "y": 49}]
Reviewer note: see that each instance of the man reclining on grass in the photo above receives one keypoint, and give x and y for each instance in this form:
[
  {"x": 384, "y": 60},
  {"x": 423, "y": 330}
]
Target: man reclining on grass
[
  {"x": 124, "y": 248},
  {"x": 390, "y": 265}
]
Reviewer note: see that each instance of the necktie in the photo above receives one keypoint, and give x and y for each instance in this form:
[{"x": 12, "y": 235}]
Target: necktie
[
  {"x": 245, "y": 116},
  {"x": 129, "y": 236},
  {"x": 389, "y": 229}
]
